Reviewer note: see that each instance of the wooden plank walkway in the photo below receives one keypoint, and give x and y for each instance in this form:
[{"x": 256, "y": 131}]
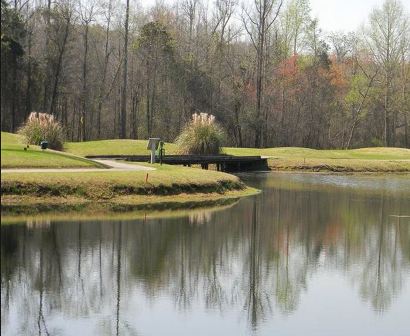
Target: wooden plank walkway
[{"x": 226, "y": 163}]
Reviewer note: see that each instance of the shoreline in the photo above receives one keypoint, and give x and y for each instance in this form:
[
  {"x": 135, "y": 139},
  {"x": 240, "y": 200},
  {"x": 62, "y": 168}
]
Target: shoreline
[
  {"x": 21, "y": 206},
  {"x": 103, "y": 196},
  {"x": 139, "y": 186},
  {"x": 31, "y": 195},
  {"x": 337, "y": 172},
  {"x": 340, "y": 165},
  {"x": 165, "y": 187}
]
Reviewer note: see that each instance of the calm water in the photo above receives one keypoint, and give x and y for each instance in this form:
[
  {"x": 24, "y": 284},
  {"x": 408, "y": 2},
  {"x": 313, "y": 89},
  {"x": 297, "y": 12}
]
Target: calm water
[{"x": 311, "y": 255}]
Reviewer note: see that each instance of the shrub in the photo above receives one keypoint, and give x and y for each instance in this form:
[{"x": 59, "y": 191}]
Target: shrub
[
  {"x": 202, "y": 135},
  {"x": 43, "y": 126}
]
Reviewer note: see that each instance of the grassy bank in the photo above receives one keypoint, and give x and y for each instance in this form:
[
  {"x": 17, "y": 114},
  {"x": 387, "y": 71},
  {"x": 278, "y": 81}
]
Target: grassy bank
[
  {"x": 66, "y": 208},
  {"x": 377, "y": 159},
  {"x": 380, "y": 159},
  {"x": 167, "y": 187},
  {"x": 13, "y": 155},
  {"x": 166, "y": 184},
  {"x": 138, "y": 147},
  {"x": 371, "y": 153},
  {"x": 339, "y": 165}
]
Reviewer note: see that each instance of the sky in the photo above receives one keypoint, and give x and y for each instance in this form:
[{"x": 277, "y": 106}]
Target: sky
[
  {"x": 345, "y": 15},
  {"x": 333, "y": 15}
]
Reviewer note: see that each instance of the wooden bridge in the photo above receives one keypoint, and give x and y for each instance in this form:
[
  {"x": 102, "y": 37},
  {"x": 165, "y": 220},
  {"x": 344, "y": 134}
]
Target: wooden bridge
[{"x": 226, "y": 163}]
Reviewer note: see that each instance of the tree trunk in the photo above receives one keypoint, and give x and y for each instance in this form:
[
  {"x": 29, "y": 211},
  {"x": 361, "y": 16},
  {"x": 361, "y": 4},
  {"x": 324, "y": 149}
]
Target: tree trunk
[
  {"x": 259, "y": 92},
  {"x": 29, "y": 79},
  {"x": 59, "y": 67},
  {"x": 14, "y": 94},
  {"x": 47, "y": 67},
  {"x": 238, "y": 125},
  {"x": 123, "y": 134},
  {"x": 84, "y": 93},
  {"x": 134, "y": 115},
  {"x": 148, "y": 108},
  {"x": 104, "y": 75}
]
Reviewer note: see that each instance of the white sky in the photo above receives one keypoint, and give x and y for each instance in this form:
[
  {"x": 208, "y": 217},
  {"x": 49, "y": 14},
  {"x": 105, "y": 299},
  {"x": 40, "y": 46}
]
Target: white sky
[
  {"x": 346, "y": 15},
  {"x": 333, "y": 15}
]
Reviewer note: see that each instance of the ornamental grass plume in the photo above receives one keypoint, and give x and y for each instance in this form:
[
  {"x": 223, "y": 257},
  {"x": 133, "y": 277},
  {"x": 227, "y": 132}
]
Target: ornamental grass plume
[
  {"x": 202, "y": 135},
  {"x": 43, "y": 126}
]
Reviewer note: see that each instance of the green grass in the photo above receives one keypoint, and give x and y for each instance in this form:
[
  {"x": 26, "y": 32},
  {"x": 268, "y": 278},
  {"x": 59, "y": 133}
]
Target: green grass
[
  {"x": 373, "y": 153},
  {"x": 166, "y": 185},
  {"x": 377, "y": 159},
  {"x": 138, "y": 147},
  {"x": 13, "y": 155},
  {"x": 113, "y": 147},
  {"x": 165, "y": 174},
  {"x": 165, "y": 180}
]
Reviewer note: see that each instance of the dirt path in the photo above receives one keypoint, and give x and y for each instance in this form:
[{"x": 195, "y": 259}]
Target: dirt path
[{"x": 112, "y": 164}]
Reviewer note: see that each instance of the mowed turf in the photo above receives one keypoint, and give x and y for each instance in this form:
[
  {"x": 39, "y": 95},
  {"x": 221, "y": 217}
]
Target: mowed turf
[
  {"x": 376, "y": 159},
  {"x": 139, "y": 147},
  {"x": 372, "y": 153},
  {"x": 165, "y": 180},
  {"x": 114, "y": 147},
  {"x": 166, "y": 184},
  {"x": 13, "y": 155}
]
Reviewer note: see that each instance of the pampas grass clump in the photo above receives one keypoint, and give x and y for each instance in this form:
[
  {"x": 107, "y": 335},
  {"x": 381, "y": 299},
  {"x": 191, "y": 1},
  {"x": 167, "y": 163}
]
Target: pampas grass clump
[
  {"x": 43, "y": 126},
  {"x": 202, "y": 135}
]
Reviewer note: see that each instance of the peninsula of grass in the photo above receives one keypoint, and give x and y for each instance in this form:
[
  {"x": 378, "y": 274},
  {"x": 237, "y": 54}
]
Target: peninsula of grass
[
  {"x": 13, "y": 155},
  {"x": 166, "y": 184},
  {"x": 170, "y": 186}
]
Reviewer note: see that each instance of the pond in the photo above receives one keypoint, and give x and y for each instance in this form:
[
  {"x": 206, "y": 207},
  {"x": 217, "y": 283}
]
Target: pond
[{"x": 313, "y": 254}]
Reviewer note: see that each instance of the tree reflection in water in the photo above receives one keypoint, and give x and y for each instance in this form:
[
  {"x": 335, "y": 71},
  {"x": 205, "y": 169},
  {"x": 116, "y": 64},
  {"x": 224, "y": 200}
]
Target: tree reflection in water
[{"x": 258, "y": 255}]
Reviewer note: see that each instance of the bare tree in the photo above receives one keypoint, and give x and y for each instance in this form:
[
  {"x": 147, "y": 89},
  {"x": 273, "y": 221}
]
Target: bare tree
[
  {"x": 386, "y": 37},
  {"x": 107, "y": 52},
  {"x": 190, "y": 8},
  {"x": 87, "y": 16},
  {"x": 123, "y": 118},
  {"x": 285, "y": 83},
  {"x": 257, "y": 24},
  {"x": 64, "y": 16}
]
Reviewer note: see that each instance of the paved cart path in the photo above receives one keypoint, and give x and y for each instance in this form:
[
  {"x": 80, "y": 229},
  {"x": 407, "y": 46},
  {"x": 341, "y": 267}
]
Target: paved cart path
[{"x": 112, "y": 166}]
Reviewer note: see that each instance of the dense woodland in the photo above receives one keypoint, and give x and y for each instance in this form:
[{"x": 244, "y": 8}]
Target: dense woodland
[{"x": 264, "y": 68}]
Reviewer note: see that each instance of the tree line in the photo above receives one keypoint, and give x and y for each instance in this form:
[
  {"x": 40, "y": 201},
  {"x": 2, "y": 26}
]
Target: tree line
[{"x": 264, "y": 69}]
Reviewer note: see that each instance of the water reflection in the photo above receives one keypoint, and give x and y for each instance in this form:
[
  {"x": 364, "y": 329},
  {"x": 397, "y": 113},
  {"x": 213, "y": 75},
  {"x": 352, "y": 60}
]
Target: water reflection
[{"x": 255, "y": 260}]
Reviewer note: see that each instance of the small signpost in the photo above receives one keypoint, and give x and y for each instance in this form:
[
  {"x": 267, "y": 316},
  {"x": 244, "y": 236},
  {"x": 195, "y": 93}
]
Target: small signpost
[{"x": 153, "y": 146}]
